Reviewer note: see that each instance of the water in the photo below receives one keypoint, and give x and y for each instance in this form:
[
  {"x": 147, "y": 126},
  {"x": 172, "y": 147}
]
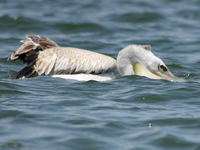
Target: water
[{"x": 127, "y": 113}]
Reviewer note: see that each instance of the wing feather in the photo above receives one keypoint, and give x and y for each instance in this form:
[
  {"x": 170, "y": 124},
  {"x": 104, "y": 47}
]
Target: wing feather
[
  {"x": 74, "y": 60},
  {"x": 45, "y": 63},
  {"x": 44, "y": 57}
]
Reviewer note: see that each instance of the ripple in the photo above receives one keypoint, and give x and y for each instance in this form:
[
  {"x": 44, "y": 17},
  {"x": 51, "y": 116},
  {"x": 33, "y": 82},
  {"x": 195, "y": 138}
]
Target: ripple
[
  {"x": 51, "y": 113},
  {"x": 170, "y": 141},
  {"x": 73, "y": 28},
  {"x": 137, "y": 17}
]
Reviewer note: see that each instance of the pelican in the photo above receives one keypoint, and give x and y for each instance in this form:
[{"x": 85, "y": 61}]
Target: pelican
[{"x": 45, "y": 57}]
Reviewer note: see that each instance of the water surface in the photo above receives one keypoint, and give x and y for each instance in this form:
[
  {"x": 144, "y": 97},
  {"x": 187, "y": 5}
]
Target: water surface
[{"x": 127, "y": 113}]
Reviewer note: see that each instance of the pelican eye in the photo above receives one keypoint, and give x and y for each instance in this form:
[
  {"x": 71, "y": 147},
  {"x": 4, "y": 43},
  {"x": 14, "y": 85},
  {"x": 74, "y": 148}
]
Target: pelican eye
[{"x": 162, "y": 67}]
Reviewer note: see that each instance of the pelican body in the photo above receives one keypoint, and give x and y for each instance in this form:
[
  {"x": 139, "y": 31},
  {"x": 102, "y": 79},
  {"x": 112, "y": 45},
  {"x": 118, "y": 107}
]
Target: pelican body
[{"x": 45, "y": 57}]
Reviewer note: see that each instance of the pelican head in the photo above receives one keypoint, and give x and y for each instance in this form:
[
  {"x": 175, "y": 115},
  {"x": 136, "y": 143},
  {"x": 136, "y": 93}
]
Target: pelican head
[{"x": 139, "y": 60}]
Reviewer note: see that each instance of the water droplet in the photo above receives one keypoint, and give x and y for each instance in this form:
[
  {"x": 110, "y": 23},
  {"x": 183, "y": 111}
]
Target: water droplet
[{"x": 150, "y": 125}]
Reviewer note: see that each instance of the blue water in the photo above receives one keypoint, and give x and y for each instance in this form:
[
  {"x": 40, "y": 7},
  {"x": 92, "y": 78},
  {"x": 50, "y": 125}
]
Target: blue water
[{"x": 127, "y": 113}]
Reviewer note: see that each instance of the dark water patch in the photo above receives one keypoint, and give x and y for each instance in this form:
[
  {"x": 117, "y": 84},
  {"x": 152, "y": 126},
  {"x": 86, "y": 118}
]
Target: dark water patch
[
  {"x": 24, "y": 25},
  {"x": 80, "y": 27},
  {"x": 182, "y": 122},
  {"x": 137, "y": 17},
  {"x": 81, "y": 122},
  {"x": 90, "y": 143},
  {"x": 12, "y": 145},
  {"x": 5, "y": 114},
  {"x": 5, "y": 62},
  {"x": 4, "y": 92},
  {"x": 172, "y": 142},
  {"x": 9, "y": 44}
]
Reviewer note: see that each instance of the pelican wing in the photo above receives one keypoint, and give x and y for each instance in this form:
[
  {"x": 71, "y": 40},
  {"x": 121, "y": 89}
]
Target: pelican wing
[
  {"x": 44, "y": 57},
  {"x": 45, "y": 63},
  {"x": 67, "y": 60},
  {"x": 29, "y": 52}
]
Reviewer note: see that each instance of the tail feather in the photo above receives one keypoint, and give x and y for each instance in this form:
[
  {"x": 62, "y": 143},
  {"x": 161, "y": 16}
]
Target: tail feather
[{"x": 32, "y": 45}]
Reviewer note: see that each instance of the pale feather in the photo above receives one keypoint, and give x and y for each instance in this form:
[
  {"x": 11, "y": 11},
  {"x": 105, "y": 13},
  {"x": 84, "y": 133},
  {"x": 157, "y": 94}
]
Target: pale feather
[
  {"x": 69, "y": 60},
  {"x": 45, "y": 57}
]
